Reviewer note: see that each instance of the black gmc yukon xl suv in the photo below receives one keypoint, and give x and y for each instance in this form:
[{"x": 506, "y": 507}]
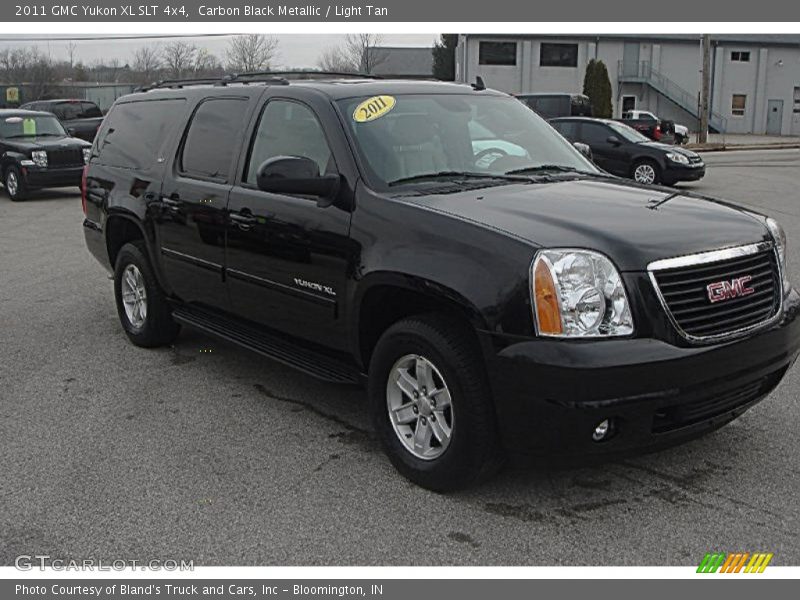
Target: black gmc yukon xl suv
[{"x": 442, "y": 244}]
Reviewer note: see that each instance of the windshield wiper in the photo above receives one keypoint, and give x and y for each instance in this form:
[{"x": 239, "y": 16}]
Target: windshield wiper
[
  {"x": 557, "y": 168},
  {"x": 454, "y": 175}
]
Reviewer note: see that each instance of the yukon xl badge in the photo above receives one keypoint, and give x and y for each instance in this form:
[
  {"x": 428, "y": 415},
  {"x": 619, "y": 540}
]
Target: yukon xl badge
[
  {"x": 729, "y": 289},
  {"x": 311, "y": 285}
]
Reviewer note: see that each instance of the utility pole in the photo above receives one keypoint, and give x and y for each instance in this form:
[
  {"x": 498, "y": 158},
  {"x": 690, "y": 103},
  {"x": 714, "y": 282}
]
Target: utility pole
[{"x": 705, "y": 89}]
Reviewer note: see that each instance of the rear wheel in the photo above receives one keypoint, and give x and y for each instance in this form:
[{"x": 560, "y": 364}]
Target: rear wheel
[
  {"x": 15, "y": 186},
  {"x": 143, "y": 310},
  {"x": 431, "y": 404},
  {"x": 646, "y": 172}
]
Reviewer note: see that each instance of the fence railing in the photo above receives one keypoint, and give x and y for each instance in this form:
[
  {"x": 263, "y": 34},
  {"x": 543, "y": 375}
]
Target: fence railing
[{"x": 643, "y": 72}]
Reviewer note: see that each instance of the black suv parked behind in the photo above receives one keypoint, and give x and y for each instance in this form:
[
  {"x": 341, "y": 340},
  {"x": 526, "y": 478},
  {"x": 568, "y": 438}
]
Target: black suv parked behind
[
  {"x": 443, "y": 244},
  {"x": 623, "y": 151},
  {"x": 36, "y": 152},
  {"x": 81, "y": 118}
]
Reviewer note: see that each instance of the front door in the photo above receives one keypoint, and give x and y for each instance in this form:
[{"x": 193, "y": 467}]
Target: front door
[
  {"x": 774, "y": 117},
  {"x": 191, "y": 212},
  {"x": 628, "y": 103},
  {"x": 287, "y": 257},
  {"x": 609, "y": 157}
]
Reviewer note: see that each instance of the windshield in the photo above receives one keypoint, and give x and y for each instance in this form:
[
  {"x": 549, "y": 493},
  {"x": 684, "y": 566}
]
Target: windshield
[
  {"x": 627, "y": 132},
  {"x": 31, "y": 126},
  {"x": 401, "y": 139}
]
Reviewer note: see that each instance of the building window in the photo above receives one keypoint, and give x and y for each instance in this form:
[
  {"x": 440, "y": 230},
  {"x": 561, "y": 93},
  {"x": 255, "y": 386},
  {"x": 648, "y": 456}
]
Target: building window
[
  {"x": 497, "y": 53},
  {"x": 558, "y": 55},
  {"x": 797, "y": 100},
  {"x": 739, "y": 56},
  {"x": 738, "y": 105}
]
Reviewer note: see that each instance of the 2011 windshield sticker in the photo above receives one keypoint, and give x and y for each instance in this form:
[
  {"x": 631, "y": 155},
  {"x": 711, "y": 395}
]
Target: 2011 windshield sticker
[{"x": 373, "y": 108}]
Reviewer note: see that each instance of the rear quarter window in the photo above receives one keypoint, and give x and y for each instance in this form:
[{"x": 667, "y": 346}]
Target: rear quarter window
[{"x": 134, "y": 132}]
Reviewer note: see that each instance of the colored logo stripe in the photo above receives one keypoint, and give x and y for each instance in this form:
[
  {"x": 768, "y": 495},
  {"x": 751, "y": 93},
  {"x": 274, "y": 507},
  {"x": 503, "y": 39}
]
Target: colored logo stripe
[{"x": 734, "y": 562}]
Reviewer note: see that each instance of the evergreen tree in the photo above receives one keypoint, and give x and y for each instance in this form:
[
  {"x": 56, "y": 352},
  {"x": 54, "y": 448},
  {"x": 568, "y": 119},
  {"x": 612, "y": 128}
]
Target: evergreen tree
[
  {"x": 597, "y": 86},
  {"x": 444, "y": 57}
]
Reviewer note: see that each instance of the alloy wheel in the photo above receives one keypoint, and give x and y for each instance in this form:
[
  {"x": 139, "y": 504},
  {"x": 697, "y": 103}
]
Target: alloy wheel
[
  {"x": 645, "y": 173},
  {"x": 134, "y": 296},
  {"x": 420, "y": 406},
  {"x": 12, "y": 184}
]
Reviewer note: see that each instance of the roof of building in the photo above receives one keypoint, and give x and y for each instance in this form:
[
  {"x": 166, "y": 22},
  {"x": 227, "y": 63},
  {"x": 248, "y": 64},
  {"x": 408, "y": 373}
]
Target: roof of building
[
  {"x": 402, "y": 61},
  {"x": 766, "y": 39}
]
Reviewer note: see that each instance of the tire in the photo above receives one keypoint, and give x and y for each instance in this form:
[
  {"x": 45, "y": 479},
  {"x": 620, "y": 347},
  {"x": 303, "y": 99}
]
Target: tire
[
  {"x": 472, "y": 451},
  {"x": 134, "y": 277},
  {"x": 15, "y": 186},
  {"x": 650, "y": 172}
]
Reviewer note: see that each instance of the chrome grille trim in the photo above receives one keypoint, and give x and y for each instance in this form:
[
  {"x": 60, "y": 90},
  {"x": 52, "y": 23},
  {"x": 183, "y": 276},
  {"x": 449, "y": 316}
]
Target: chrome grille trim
[{"x": 714, "y": 256}]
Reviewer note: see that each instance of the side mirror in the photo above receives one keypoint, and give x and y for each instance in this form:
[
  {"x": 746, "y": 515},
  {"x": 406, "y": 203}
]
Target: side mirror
[
  {"x": 584, "y": 149},
  {"x": 613, "y": 140},
  {"x": 297, "y": 175},
  {"x": 71, "y": 131}
]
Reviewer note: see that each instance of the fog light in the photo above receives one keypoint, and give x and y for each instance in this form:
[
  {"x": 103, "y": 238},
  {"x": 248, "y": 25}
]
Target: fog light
[{"x": 602, "y": 430}]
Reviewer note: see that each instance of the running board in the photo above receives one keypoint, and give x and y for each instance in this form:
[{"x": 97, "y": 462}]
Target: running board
[{"x": 278, "y": 348}]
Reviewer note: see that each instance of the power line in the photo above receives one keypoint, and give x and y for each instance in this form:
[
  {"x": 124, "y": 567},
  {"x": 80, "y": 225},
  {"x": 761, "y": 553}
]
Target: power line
[{"x": 113, "y": 37}]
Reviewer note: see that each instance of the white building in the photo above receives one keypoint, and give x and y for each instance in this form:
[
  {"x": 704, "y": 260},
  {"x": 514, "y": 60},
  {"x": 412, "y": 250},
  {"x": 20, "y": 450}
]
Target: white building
[{"x": 755, "y": 78}]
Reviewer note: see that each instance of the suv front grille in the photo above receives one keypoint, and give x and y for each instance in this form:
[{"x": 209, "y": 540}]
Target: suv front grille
[
  {"x": 684, "y": 290},
  {"x": 67, "y": 157}
]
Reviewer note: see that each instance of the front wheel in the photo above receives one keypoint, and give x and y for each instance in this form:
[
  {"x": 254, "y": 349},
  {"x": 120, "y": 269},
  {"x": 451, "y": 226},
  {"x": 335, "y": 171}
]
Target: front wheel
[
  {"x": 143, "y": 310},
  {"x": 646, "y": 172},
  {"x": 431, "y": 404},
  {"x": 15, "y": 186}
]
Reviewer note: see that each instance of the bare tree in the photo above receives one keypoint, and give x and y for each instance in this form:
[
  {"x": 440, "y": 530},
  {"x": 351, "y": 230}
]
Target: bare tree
[
  {"x": 359, "y": 52},
  {"x": 336, "y": 60},
  {"x": 72, "y": 47},
  {"x": 179, "y": 57},
  {"x": 252, "y": 52},
  {"x": 364, "y": 49},
  {"x": 206, "y": 64},
  {"x": 147, "y": 63}
]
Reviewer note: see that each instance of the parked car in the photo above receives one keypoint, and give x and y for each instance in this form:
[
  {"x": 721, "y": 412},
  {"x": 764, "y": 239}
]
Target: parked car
[
  {"x": 36, "y": 152},
  {"x": 653, "y": 127},
  {"x": 81, "y": 118},
  {"x": 550, "y": 106},
  {"x": 528, "y": 303},
  {"x": 621, "y": 150}
]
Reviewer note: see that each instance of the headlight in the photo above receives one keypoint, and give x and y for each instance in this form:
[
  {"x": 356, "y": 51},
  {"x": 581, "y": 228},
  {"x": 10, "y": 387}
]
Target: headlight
[
  {"x": 87, "y": 154},
  {"x": 779, "y": 237},
  {"x": 579, "y": 293},
  {"x": 39, "y": 158},
  {"x": 678, "y": 158}
]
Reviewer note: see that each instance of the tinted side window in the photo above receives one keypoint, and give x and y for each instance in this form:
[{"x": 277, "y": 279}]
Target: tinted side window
[
  {"x": 592, "y": 133},
  {"x": 569, "y": 129},
  {"x": 214, "y": 137},
  {"x": 288, "y": 129},
  {"x": 133, "y": 132}
]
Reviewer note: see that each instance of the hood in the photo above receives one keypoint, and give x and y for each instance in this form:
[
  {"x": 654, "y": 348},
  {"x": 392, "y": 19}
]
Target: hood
[
  {"x": 29, "y": 144},
  {"x": 671, "y": 148},
  {"x": 624, "y": 222}
]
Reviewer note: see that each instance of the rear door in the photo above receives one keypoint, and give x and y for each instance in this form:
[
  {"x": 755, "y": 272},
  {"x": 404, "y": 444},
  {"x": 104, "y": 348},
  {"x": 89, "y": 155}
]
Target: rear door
[
  {"x": 190, "y": 216},
  {"x": 287, "y": 257}
]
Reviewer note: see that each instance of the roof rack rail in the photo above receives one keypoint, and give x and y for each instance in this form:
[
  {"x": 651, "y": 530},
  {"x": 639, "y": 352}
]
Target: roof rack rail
[
  {"x": 277, "y": 77},
  {"x": 304, "y": 74}
]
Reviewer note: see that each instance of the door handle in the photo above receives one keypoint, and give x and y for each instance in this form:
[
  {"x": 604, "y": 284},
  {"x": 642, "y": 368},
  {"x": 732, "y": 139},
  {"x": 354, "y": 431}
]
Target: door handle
[{"x": 243, "y": 220}]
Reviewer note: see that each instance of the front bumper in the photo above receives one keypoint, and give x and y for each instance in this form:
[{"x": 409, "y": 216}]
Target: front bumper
[
  {"x": 38, "y": 177},
  {"x": 677, "y": 172},
  {"x": 550, "y": 394}
]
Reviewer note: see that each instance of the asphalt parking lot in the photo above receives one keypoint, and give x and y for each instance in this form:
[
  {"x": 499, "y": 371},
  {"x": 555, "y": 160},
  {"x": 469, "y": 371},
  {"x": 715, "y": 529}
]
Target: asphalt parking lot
[{"x": 204, "y": 451}]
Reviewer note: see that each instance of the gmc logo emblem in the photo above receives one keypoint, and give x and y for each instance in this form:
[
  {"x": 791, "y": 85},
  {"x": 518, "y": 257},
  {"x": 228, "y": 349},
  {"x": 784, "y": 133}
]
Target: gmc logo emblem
[{"x": 726, "y": 290}]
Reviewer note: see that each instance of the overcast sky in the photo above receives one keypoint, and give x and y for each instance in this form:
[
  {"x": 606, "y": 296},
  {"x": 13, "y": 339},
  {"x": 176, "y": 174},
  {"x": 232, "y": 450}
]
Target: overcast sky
[{"x": 294, "y": 50}]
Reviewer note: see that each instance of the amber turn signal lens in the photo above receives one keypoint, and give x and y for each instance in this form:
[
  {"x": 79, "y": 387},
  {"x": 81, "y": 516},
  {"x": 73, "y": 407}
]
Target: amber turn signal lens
[{"x": 548, "y": 315}]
